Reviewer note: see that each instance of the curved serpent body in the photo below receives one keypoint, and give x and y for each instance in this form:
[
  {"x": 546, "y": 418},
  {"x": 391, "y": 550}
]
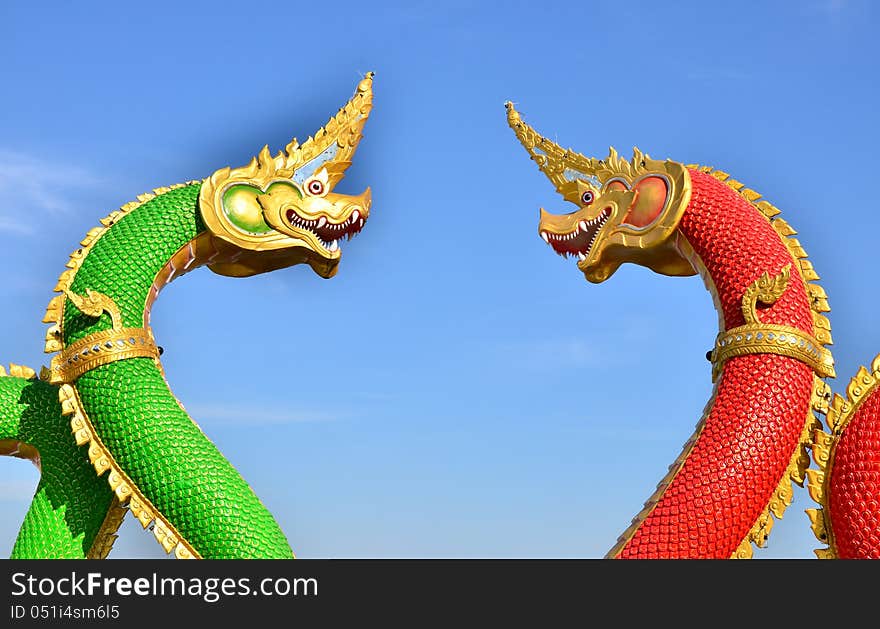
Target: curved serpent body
[
  {"x": 769, "y": 360},
  {"x": 71, "y": 501},
  {"x": 752, "y": 431},
  {"x": 101, "y": 422}
]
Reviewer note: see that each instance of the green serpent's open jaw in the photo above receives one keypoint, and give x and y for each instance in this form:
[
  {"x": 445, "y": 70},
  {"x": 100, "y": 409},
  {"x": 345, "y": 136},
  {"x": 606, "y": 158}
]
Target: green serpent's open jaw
[
  {"x": 327, "y": 232},
  {"x": 325, "y": 229},
  {"x": 318, "y": 222},
  {"x": 280, "y": 210}
]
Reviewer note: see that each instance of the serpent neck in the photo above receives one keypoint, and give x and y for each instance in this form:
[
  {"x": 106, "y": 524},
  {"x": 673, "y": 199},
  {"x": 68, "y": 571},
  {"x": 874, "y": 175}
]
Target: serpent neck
[
  {"x": 736, "y": 469},
  {"x": 734, "y": 244},
  {"x": 126, "y": 260},
  {"x": 159, "y": 460}
]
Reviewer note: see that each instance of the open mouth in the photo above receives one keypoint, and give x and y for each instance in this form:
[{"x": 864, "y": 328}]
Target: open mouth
[
  {"x": 580, "y": 241},
  {"x": 327, "y": 232}
]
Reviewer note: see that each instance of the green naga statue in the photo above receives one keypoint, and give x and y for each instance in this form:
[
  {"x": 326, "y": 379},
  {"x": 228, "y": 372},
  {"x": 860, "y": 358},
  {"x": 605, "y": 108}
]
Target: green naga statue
[{"x": 101, "y": 422}]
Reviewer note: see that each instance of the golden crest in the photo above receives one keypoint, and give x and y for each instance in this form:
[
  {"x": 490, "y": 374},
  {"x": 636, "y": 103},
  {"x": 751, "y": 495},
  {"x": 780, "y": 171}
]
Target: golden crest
[
  {"x": 270, "y": 203},
  {"x": 757, "y": 337},
  {"x": 628, "y": 209}
]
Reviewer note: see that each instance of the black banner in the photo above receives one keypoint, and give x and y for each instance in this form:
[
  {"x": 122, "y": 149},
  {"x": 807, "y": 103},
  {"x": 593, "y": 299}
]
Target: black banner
[{"x": 119, "y": 592}]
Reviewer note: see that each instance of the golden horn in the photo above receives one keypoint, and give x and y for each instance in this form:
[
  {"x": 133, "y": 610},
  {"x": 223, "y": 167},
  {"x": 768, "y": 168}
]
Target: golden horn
[
  {"x": 344, "y": 130},
  {"x": 553, "y": 160}
]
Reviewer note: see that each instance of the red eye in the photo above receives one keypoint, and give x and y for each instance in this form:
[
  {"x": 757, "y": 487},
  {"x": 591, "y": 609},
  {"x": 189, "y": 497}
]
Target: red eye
[
  {"x": 587, "y": 197},
  {"x": 315, "y": 187}
]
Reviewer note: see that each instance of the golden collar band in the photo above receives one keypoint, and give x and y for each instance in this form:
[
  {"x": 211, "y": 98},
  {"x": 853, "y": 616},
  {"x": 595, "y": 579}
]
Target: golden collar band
[
  {"x": 100, "y": 349},
  {"x": 767, "y": 338},
  {"x": 757, "y": 337}
]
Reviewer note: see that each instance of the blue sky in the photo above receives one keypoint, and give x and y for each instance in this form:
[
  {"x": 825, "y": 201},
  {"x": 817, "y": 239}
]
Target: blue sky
[{"x": 456, "y": 390}]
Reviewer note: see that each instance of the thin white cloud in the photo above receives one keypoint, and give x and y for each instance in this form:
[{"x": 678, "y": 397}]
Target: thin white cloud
[
  {"x": 256, "y": 415},
  {"x": 571, "y": 352},
  {"x": 31, "y": 184}
]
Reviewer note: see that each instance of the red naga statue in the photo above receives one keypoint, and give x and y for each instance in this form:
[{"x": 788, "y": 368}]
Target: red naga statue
[{"x": 769, "y": 362}]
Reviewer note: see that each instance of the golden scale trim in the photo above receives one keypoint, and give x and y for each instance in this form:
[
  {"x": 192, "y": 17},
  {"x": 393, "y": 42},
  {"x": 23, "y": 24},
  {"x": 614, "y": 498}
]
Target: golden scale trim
[
  {"x": 781, "y": 497},
  {"x": 553, "y": 160},
  {"x": 841, "y": 410},
  {"x": 822, "y": 365},
  {"x": 81, "y": 426}
]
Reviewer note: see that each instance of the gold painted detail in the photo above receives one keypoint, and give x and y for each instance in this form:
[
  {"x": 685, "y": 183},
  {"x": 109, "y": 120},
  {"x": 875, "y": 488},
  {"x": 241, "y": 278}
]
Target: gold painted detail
[
  {"x": 123, "y": 487},
  {"x": 798, "y": 469},
  {"x": 94, "y": 304},
  {"x": 55, "y": 309},
  {"x": 613, "y": 186},
  {"x": 18, "y": 371},
  {"x": 101, "y": 348},
  {"x": 815, "y": 293},
  {"x": 103, "y": 543},
  {"x": 757, "y": 337},
  {"x": 335, "y": 144},
  {"x": 564, "y": 166},
  {"x": 841, "y": 410},
  {"x": 782, "y": 496},
  {"x": 765, "y": 289}
]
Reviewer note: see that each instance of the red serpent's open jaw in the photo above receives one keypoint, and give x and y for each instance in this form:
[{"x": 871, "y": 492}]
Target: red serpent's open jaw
[
  {"x": 327, "y": 232},
  {"x": 580, "y": 241}
]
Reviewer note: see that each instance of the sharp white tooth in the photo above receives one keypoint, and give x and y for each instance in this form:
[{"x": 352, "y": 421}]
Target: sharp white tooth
[
  {"x": 362, "y": 222},
  {"x": 321, "y": 221},
  {"x": 334, "y": 245},
  {"x": 583, "y": 225},
  {"x": 354, "y": 216},
  {"x": 581, "y": 256}
]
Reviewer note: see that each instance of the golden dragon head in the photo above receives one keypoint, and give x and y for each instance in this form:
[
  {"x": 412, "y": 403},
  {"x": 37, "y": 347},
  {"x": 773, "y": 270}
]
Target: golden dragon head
[
  {"x": 628, "y": 210},
  {"x": 281, "y": 210}
]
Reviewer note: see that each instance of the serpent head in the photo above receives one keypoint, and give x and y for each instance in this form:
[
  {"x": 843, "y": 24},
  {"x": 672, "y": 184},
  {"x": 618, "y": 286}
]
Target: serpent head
[
  {"x": 282, "y": 210},
  {"x": 627, "y": 210}
]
